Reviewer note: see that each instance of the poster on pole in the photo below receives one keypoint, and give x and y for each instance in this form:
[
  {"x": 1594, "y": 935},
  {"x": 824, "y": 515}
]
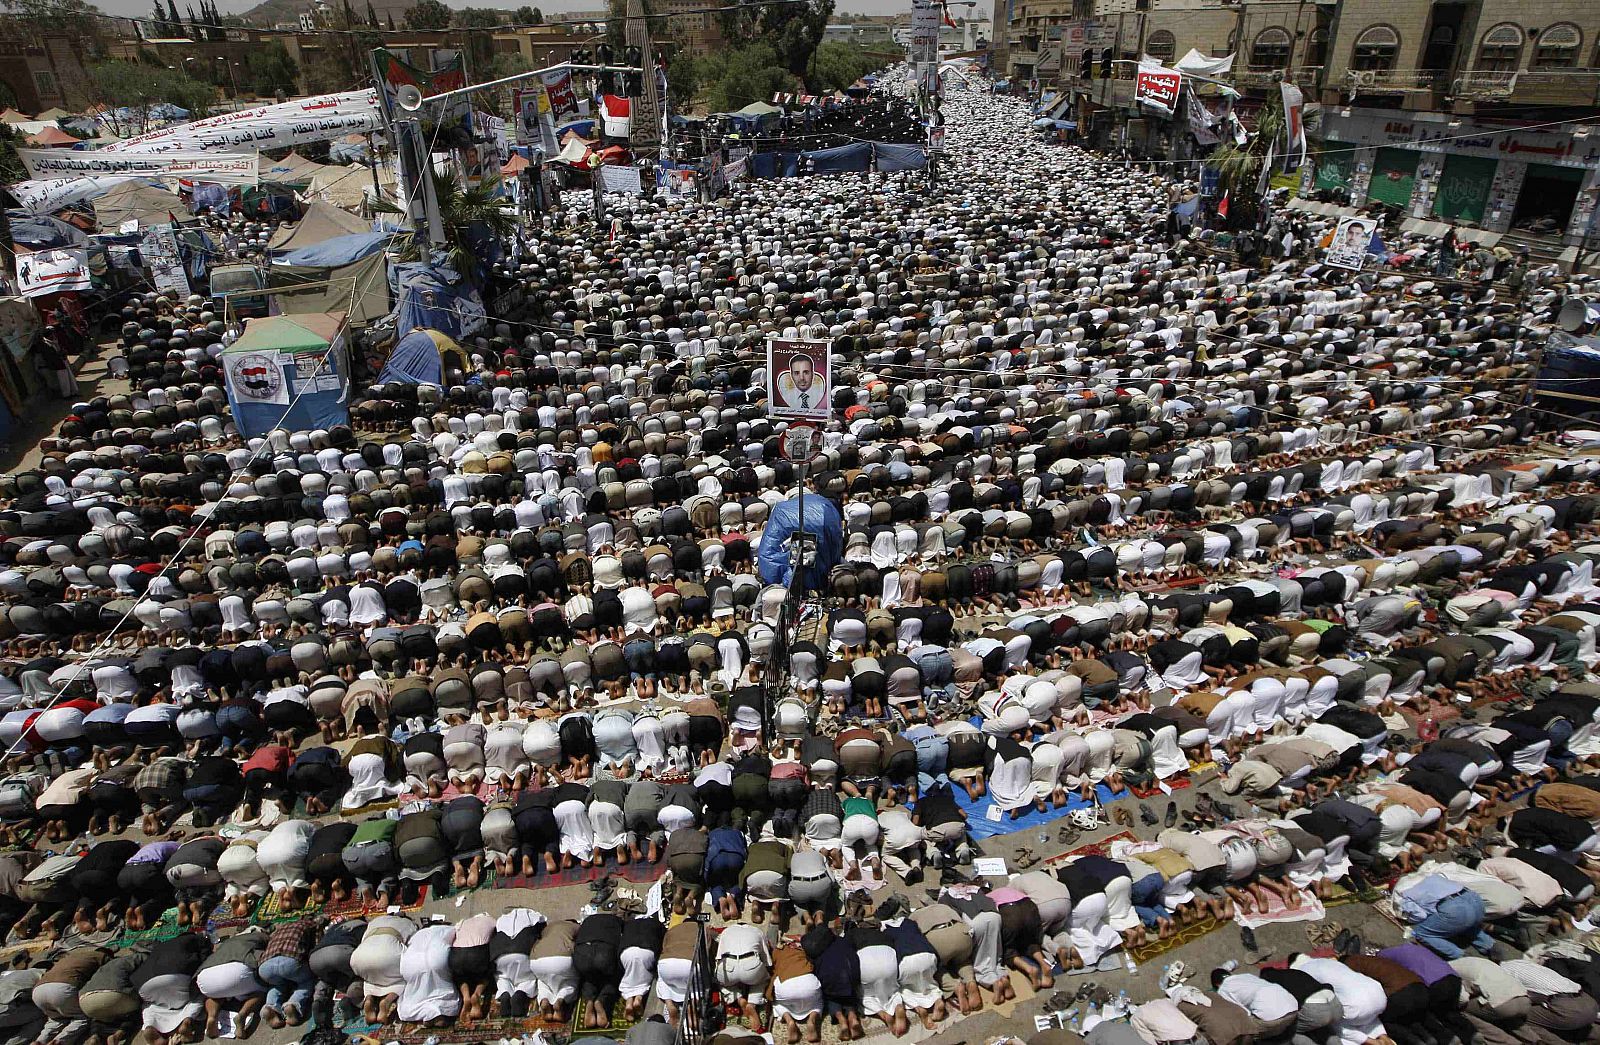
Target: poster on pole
[
  {"x": 1348, "y": 249},
  {"x": 160, "y": 253},
  {"x": 52, "y": 271},
  {"x": 1158, "y": 87},
  {"x": 563, "y": 99},
  {"x": 799, "y": 379},
  {"x": 535, "y": 121},
  {"x": 1294, "y": 127}
]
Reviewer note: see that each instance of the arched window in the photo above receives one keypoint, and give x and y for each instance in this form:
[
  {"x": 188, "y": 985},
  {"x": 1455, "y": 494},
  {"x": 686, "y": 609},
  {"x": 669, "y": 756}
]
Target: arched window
[
  {"x": 1271, "y": 49},
  {"x": 1375, "y": 49},
  {"x": 1161, "y": 45},
  {"x": 1501, "y": 49},
  {"x": 1317, "y": 47},
  {"x": 1557, "y": 47}
]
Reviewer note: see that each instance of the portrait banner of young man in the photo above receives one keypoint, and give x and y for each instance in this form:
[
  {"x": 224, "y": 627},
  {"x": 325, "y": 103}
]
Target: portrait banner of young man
[{"x": 799, "y": 381}]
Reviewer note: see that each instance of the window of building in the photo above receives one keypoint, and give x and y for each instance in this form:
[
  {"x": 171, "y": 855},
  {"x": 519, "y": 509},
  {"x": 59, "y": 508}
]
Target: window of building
[
  {"x": 1161, "y": 45},
  {"x": 1317, "y": 47},
  {"x": 1557, "y": 47},
  {"x": 44, "y": 81},
  {"x": 1375, "y": 49},
  {"x": 1501, "y": 49},
  {"x": 1271, "y": 49}
]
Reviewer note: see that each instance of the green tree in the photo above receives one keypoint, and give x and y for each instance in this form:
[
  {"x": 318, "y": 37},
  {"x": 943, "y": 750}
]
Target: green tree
[
  {"x": 138, "y": 87},
  {"x": 683, "y": 80},
  {"x": 734, "y": 79},
  {"x": 795, "y": 30},
  {"x": 270, "y": 70},
  {"x": 838, "y": 65},
  {"x": 480, "y": 44},
  {"x": 1239, "y": 166},
  {"x": 529, "y": 15},
  {"x": 462, "y": 210},
  {"x": 427, "y": 14}
]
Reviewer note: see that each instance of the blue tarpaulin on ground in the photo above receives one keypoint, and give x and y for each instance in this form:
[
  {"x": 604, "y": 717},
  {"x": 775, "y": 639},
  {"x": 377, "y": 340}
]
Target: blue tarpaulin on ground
[
  {"x": 979, "y": 826},
  {"x": 336, "y": 252},
  {"x": 842, "y": 159},
  {"x": 900, "y": 157}
]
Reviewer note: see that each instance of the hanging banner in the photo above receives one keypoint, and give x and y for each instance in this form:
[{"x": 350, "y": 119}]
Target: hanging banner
[
  {"x": 256, "y": 377},
  {"x": 558, "y": 89},
  {"x": 619, "y": 179},
  {"x": 616, "y": 116},
  {"x": 677, "y": 182},
  {"x": 320, "y": 107},
  {"x": 1294, "y": 127},
  {"x": 43, "y": 197},
  {"x": 392, "y": 74},
  {"x": 1200, "y": 121},
  {"x": 535, "y": 121},
  {"x": 798, "y": 376},
  {"x": 226, "y": 168},
  {"x": 160, "y": 253},
  {"x": 52, "y": 271},
  {"x": 1348, "y": 250},
  {"x": 1158, "y": 87}
]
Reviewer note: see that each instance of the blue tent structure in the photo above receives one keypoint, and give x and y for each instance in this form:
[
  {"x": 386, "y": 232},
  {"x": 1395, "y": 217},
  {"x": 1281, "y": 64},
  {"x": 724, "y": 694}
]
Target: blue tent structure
[
  {"x": 421, "y": 357},
  {"x": 841, "y": 159},
  {"x": 892, "y": 158},
  {"x": 824, "y": 525},
  {"x": 290, "y": 372},
  {"x": 435, "y": 298}
]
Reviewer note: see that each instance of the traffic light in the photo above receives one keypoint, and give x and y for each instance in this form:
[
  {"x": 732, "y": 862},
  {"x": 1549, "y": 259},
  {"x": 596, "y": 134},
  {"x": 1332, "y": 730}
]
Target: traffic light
[
  {"x": 633, "y": 83},
  {"x": 608, "y": 79}
]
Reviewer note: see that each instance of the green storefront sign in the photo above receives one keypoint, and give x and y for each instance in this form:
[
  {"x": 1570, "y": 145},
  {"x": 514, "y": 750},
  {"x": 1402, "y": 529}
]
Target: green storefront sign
[
  {"x": 1394, "y": 171},
  {"x": 1334, "y": 168},
  {"x": 1464, "y": 188}
]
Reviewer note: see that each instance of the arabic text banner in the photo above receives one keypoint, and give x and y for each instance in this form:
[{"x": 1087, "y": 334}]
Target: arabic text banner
[
  {"x": 222, "y": 167},
  {"x": 362, "y": 103}
]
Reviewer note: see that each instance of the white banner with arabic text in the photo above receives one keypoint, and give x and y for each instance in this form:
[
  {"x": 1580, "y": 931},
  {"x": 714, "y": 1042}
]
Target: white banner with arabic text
[{"x": 226, "y": 168}]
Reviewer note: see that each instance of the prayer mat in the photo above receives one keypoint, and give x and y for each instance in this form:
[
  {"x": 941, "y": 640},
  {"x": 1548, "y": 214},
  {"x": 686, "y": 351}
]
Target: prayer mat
[
  {"x": 1310, "y": 910},
  {"x": 617, "y": 1028},
  {"x": 166, "y": 928},
  {"x": 1186, "y": 934},
  {"x": 1100, "y": 848},
  {"x": 268, "y": 912}
]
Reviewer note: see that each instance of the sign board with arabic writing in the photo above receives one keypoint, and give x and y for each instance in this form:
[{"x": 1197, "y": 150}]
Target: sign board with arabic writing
[
  {"x": 1157, "y": 87},
  {"x": 225, "y": 168}
]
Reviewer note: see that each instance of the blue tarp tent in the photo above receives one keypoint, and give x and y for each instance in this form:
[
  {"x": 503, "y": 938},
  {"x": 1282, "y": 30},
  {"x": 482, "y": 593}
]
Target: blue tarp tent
[
  {"x": 842, "y": 159},
  {"x": 892, "y": 158},
  {"x": 822, "y": 522},
  {"x": 336, "y": 252},
  {"x": 290, "y": 372},
  {"x": 41, "y": 231},
  {"x": 434, "y": 298},
  {"x": 420, "y": 358}
]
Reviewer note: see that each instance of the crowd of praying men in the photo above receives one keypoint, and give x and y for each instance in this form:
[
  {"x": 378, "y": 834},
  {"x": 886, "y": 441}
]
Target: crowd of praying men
[{"x": 1115, "y": 507}]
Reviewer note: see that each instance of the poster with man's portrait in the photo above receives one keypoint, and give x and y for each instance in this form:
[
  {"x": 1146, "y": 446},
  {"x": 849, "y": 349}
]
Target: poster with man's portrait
[
  {"x": 1348, "y": 249},
  {"x": 798, "y": 379}
]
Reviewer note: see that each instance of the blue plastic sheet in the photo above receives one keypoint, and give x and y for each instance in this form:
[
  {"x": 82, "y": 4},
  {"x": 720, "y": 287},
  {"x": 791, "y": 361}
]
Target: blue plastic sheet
[
  {"x": 979, "y": 826},
  {"x": 842, "y": 159},
  {"x": 822, "y": 522},
  {"x": 414, "y": 361},
  {"x": 336, "y": 252},
  {"x": 900, "y": 157}
]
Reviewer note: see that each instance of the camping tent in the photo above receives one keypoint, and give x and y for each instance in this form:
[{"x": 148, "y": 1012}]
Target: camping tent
[
  {"x": 346, "y": 272},
  {"x": 290, "y": 372},
  {"x": 421, "y": 358},
  {"x": 348, "y": 187},
  {"x": 293, "y": 169},
  {"x": 435, "y": 298},
  {"x": 13, "y": 117},
  {"x": 134, "y": 200},
  {"x": 51, "y": 138},
  {"x": 320, "y": 223}
]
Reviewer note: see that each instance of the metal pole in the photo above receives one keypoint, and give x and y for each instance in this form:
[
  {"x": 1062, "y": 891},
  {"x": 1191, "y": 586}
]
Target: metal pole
[{"x": 422, "y": 175}]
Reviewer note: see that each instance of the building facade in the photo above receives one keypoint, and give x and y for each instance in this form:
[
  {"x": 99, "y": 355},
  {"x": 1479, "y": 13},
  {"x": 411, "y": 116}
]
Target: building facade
[{"x": 1426, "y": 107}]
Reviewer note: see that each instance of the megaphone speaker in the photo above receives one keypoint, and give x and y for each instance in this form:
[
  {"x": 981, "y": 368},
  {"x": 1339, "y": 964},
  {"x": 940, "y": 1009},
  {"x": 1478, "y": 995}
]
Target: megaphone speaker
[{"x": 408, "y": 97}]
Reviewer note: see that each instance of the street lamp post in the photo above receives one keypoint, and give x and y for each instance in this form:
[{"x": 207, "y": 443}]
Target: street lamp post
[{"x": 232, "y": 76}]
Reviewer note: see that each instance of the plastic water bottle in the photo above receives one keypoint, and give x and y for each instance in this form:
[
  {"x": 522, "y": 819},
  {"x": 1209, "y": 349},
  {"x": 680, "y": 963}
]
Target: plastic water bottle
[{"x": 1127, "y": 960}]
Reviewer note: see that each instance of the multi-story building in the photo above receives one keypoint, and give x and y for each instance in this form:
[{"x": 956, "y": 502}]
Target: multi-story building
[{"x": 1427, "y": 107}]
